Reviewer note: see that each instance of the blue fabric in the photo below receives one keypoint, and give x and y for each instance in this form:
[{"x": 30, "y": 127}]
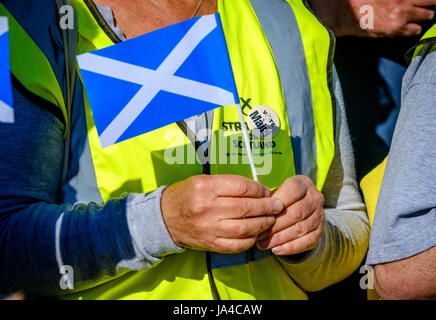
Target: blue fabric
[
  {"x": 42, "y": 228},
  {"x": 392, "y": 74},
  {"x": 30, "y": 166},
  {"x": 40, "y": 21}
]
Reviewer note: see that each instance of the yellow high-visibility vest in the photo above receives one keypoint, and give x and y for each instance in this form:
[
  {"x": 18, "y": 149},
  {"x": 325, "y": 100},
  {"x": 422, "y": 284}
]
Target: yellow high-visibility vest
[{"x": 282, "y": 57}]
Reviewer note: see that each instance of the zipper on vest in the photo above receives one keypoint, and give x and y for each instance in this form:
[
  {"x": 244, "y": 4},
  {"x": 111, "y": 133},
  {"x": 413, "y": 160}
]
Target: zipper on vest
[
  {"x": 101, "y": 22},
  {"x": 182, "y": 125},
  {"x": 206, "y": 170},
  {"x": 213, "y": 288}
]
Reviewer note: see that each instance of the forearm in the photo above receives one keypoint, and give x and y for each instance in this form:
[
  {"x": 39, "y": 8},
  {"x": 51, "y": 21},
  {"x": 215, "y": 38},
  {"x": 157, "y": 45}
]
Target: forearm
[
  {"x": 98, "y": 242},
  {"x": 408, "y": 279},
  {"x": 39, "y": 236},
  {"x": 346, "y": 233},
  {"x": 338, "y": 254}
]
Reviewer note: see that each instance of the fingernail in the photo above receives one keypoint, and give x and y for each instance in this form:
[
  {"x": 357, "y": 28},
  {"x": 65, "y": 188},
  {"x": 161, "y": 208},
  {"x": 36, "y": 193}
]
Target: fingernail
[
  {"x": 271, "y": 220},
  {"x": 263, "y": 235},
  {"x": 263, "y": 244},
  {"x": 277, "y": 205},
  {"x": 277, "y": 250}
]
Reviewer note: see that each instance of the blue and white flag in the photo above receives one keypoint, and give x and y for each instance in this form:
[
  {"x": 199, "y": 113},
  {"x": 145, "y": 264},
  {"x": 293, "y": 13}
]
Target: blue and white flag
[
  {"x": 6, "y": 101},
  {"x": 159, "y": 78}
]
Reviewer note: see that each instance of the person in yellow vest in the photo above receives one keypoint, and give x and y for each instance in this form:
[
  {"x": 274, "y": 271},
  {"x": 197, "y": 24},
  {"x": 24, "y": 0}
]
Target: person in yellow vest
[
  {"x": 402, "y": 246},
  {"x": 79, "y": 221}
]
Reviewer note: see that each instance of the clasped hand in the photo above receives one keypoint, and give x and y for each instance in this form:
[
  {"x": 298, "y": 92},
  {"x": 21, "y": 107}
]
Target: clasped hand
[{"x": 230, "y": 214}]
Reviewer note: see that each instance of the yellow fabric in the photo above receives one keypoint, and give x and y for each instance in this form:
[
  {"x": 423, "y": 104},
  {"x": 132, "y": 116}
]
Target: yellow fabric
[
  {"x": 370, "y": 186},
  {"x": 262, "y": 280},
  {"x": 91, "y": 36},
  {"x": 139, "y": 164},
  {"x": 252, "y": 85},
  {"x": 317, "y": 45},
  {"x": 431, "y": 33}
]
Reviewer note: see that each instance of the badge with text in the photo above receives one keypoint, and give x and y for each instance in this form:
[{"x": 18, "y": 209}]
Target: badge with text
[{"x": 263, "y": 118}]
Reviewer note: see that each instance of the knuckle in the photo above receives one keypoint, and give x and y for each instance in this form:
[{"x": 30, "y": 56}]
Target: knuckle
[
  {"x": 306, "y": 180},
  {"x": 243, "y": 208},
  {"x": 242, "y": 187},
  {"x": 318, "y": 199},
  {"x": 296, "y": 213},
  {"x": 266, "y": 207},
  {"x": 199, "y": 183},
  {"x": 295, "y": 188},
  {"x": 396, "y": 13},
  {"x": 301, "y": 229},
  {"x": 321, "y": 219},
  {"x": 198, "y": 206},
  {"x": 241, "y": 229}
]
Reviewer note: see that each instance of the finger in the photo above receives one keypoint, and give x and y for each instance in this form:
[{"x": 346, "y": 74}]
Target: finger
[
  {"x": 237, "y": 186},
  {"x": 411, "y": 29},
  {"x": 243, "y": 228},
  {"x": 299, "y": 245},
  {"x": 298, "y": 230},
  {"x": 421, "y": 14},
  {"x": 225, "y": 245},
  {"x": 292, "y": 190},
  {"x": 16, "y": 296},
  {"x": 247, "y": 207},
  {"x": 297, "y": 212},
  {"x": 424, "y": 3}
]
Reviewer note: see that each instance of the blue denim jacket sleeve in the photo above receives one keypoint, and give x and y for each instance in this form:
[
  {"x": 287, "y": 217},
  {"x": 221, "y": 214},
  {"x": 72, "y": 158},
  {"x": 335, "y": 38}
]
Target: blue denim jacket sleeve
[{"x": 38, "y": 236}]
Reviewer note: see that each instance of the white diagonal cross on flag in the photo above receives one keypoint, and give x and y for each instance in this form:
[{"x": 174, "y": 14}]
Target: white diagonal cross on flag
[
  {"x": 154, "y": 81},
  {"x": 3, "y": 25}
]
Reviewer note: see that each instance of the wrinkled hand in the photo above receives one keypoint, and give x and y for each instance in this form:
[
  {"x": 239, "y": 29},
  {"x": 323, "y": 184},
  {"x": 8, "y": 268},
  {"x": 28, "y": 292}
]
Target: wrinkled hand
[
  {"x": 300, "y": 225},
  {"x": 391, "y": 17},
  {"x": 221, "y": 213}
]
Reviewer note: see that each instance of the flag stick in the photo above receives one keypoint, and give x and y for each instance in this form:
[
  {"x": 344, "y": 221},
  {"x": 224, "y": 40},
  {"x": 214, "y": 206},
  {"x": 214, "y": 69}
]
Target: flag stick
[{"x": 247, "y": 143}]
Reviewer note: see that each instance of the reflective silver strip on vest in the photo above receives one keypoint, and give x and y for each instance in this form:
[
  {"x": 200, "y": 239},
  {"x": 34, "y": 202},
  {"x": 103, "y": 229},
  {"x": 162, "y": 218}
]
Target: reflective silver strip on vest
[{"x": 278, "y": 22}]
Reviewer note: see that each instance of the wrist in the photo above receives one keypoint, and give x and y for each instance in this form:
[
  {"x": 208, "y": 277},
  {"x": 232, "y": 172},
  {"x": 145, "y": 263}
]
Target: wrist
[{"x": 170, "y": 210}]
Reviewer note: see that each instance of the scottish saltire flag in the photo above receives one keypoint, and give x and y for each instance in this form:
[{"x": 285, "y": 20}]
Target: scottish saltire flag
[
  {"x": 6, "y": 102},
  {"x": 159, "y": 78}
]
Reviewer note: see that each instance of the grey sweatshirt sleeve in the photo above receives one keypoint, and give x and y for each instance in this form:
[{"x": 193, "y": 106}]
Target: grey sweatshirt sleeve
[
  {"x": 344, "y": 243},
  {"x": 38, "y": 236},
  {"x": 405, "y": 218}
]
